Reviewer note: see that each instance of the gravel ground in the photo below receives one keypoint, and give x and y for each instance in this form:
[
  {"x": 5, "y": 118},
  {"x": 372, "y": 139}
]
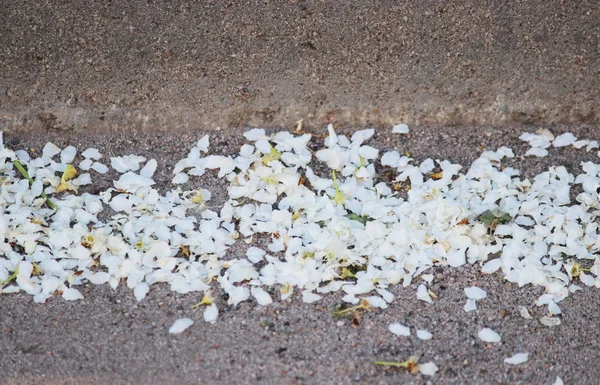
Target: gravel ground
[{"x": 111, "y": 338}]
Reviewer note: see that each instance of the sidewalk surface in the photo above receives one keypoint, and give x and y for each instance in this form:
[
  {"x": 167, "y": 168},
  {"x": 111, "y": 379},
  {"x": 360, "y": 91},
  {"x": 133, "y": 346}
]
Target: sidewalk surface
[
  {"x": 110, "y": 338},
  {"x": 188, "y": 64}
]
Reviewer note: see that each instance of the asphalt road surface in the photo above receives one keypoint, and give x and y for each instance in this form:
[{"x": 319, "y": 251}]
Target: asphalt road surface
[{"x": 110, "y": 338}]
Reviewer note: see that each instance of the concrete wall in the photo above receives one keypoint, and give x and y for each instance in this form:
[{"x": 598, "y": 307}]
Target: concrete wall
[{"x": 105, "y": 65}]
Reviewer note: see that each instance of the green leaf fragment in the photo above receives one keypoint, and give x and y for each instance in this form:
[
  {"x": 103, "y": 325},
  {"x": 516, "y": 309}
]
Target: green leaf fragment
[
  {"x": 495, "y": 216},
  {"x": 11, "y": 278},
  {"x": 347, "y": 273},
  {"x": 359, "y": 218},
  {"x": 339, "y": 196},
  {"x": 25, "y": 175}
]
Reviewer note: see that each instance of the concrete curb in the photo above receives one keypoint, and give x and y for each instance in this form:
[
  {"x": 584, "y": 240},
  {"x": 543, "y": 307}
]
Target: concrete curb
[{"x": 186, "y": 64}]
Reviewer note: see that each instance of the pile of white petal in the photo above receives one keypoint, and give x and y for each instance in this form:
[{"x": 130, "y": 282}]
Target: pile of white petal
[{"x": 340, "y": 231}]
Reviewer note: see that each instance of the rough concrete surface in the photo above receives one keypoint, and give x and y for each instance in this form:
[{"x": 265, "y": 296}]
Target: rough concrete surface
[
  {"x": 187, "y": 64},
  {"x": 110, "y": 338}
]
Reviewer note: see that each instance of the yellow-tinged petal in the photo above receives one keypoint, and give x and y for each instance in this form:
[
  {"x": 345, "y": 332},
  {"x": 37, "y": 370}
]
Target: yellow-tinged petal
[
  {"x": 339, "y": 196},
  {"x": 274, "y": 155},
  {"x": 69, "y": 173},
  {"x": 206, "y": 300}
]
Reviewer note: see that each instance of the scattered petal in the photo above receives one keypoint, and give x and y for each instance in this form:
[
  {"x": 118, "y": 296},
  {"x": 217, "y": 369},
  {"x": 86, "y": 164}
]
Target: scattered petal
[
  {"x": 524, "y": 312},
  {"x": 400, "y": 129},
  {"x": 72, "y": 294},
  {"x": 470, "y": 305},
  {"x": 564, "y": 140},
  {"x": 550, "y": 321},
  {"x": 68, "y": 154},
  {"x": 423, "y": 294},
  {"x": 517, "y": 359},
  {"x": 310, "y": 297},
  {"x": 536, "y": 151},
  {"x": 141, "y": 290},
  {"x": 92, "y": 153},
  {"x": 50, "y": 150},
  {"x": 211, "y": 313},
  {"x": 428, "y": 369},
  {"x": 424, "y": 335},
  {"x": 180, "y": 178},
  {"x": 99, "y": 167},
  {"x": 180, "y": 325},
  {"x": 399, "y": 329},
  {"x": 475, "y": 293},
  {"x": 262, "y": 297},
  {"x": 488, "y": 335}
]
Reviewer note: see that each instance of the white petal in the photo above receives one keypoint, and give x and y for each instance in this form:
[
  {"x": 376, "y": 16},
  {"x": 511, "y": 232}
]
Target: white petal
[
  {"x": 180, "y": 325},
  {"x": 72, "y": 294},
  {"x": 586, "y": 279},
  {"x": 524, "y": 312},
  {"x": 376, "y": 301},
  {"x": 488, "y": 335},
  {"x": 262, "y": 297},
  {"x": 91, "y": 153},
  {"x": 426, "y": 166},
  {"x": 255, "y": 134},
  {"x": 36, "y": 188},
  {"x": 564, "y": 140},
  {"x": 332, "y": 139},
  {"x": 22, "y": 155},
  {"x": 558, "y": 381},
  {"x": 85, "y": 164},
  {"x": 50, "y": 150},
  {"x": 203, "y": 143},
  {"x": 368, "y": 152},
  {"x": 475, "y": 293},
  {"x": 424, "y": 335},
  {"x": 126, "y": 163},
  {"x": 68, "y": 154},
  {"x": 550, "y": 321},
  {"x": 149, "y": 169},
  {"x": 580, "y": 144},
  {"x": 131, "y": 182},
  {"x": 423, "y": 294},
  {"x": 180, "y": 178},
  {"x": 553, "y": 308},
  {"x": 99, "y": 167},
  {"x": 99, "y": 278},
  {"x": 428, "y": 369},
  {"x": 390, "y": 158},
  {"x": 399, "y": 329},
  {"x": 470, "y": 305},
  {"x": 255, "y": 254},
  {"x": 310, "y": 297},
  {"x": 517, "y": 359},
  {"x": 491, "y": 266},
  {"x": 536, "y": 151},
  {"x": 211, "y": 313},
  {"x": 140, "y": 291},
  {"x": 362, "y": 135},
  {"x": 400, "y": 129},
  {"x": 386, "y": 295}
]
